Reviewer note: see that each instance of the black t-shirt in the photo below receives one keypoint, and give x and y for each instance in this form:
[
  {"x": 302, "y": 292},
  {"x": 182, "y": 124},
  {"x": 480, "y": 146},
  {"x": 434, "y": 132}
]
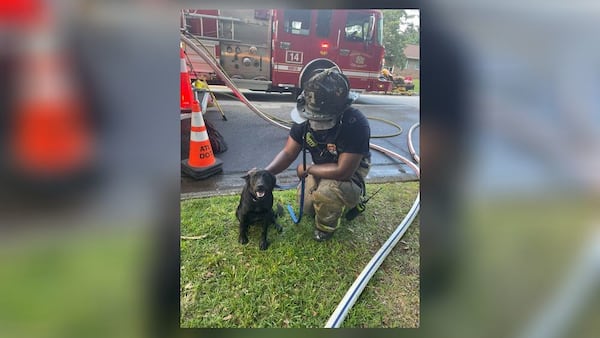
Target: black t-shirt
[{"x": 350, "y": 136}]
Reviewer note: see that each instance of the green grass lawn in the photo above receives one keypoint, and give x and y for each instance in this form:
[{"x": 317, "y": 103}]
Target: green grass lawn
[
  {"x": 74, "y": 283},
  {"x": 297, "y": 282},
  {"x": 417, "y": 83}
]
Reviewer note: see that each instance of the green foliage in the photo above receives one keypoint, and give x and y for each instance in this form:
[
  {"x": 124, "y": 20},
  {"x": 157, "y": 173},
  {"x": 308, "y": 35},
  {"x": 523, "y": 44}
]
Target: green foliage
[
  {"x": 394, "y": 40},
  {"x": 394, "y": 55},
  {"x": 297, "y": 282},
  {"x": 410, "y": 35}
]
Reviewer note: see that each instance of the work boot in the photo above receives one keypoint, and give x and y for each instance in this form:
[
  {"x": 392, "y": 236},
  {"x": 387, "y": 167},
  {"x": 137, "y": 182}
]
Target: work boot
[
  {"x": 321, "y": 236},
  {"x": 357, "y": 210}
]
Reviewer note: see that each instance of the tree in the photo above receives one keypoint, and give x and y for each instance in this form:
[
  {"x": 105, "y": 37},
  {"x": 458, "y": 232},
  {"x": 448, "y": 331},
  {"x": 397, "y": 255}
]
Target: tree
[
  {"x": 411, "y": 35},
  {"x": 394, "y": 46},
  {"x": 395, "y": 40}
]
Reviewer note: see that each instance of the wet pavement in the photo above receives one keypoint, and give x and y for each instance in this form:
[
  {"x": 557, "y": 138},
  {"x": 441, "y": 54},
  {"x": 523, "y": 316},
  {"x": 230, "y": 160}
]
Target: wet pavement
[{"x": 253, "y": 142}]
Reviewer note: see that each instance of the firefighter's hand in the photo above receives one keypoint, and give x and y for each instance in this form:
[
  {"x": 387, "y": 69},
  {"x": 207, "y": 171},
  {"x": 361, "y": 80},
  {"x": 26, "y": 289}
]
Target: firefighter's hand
[{"x": 301, "y": 172}]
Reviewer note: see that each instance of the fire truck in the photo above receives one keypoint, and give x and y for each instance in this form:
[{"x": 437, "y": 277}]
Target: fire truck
[{"x": 266, "y": 50}]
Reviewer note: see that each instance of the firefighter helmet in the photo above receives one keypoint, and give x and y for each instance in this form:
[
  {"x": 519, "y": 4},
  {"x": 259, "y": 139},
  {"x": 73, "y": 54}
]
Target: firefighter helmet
[{"x": 325, "y": 96}]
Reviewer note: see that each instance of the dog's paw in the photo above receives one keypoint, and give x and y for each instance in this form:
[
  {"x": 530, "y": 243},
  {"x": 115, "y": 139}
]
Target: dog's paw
[
  {"x": 279, "y": 211},
  {"x": 243, "y": 239},
  {"x": 278, "y": 227},
  {"x": 264, "y": 245}
]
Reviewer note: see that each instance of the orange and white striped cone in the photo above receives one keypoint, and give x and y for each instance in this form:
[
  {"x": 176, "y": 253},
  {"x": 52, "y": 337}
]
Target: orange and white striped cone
[
  {"x": 51, "y": 136},
  {"x": 187, "y": 95},
  {"x": 202, "y": 162}
]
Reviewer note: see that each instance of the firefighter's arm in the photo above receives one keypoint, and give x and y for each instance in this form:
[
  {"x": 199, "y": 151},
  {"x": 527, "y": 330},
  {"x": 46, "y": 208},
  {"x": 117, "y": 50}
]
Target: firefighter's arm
[
  {"x": 285, "y": 157},
  {"x": 346, "y": 165}
]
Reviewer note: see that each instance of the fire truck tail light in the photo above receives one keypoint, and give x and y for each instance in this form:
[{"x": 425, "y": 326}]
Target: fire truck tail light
[{"x": 324, "y": 48}]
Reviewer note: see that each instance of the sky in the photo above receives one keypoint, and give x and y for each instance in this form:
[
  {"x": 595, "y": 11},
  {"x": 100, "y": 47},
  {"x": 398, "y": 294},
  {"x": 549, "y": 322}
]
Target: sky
[{"x": 415, "y": 20}]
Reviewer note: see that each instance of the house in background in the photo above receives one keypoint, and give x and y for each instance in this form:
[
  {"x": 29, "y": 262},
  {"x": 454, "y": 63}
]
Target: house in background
[{"x": 412, "y": 64}]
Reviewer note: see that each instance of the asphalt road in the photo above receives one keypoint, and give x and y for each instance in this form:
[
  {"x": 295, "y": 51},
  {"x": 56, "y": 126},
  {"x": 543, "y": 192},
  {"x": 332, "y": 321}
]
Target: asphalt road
[{"x": 253, "y": 142}]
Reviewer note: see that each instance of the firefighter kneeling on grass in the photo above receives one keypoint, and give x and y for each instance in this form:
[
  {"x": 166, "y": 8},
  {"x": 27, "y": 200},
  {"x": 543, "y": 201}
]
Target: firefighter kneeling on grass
[{"x": 337, "y": 137}]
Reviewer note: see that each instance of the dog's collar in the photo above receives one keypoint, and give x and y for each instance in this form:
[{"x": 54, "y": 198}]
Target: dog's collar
[{"x": 254, "y": 199}]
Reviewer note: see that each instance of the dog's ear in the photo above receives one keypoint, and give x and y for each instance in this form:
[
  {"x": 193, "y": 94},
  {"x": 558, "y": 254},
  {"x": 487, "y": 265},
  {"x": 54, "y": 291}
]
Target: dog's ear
[{"x": 250, "y": 172}]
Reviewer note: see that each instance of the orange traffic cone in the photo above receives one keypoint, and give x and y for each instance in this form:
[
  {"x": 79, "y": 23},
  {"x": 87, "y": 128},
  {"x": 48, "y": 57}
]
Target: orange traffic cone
[
  {"x": 202, "y": 162},
  {"x": 187, "y": 95},
  {"x": 51, "y": 136}
]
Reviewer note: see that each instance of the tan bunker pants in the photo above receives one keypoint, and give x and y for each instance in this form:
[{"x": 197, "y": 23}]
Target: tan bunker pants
[{"x": 328, "y": 199}]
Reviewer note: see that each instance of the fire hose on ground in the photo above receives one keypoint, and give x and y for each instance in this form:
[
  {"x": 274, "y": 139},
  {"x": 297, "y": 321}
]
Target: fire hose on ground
[
  {"x": 411, "y": 148},
  {"x": 362, "y": 280},
  {"x": 193, "y": 42},
  {"x": 360, "y": 283}
]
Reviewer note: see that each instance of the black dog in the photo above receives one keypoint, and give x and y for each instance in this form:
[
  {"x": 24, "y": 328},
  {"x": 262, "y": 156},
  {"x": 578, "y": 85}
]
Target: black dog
[{"x": 256, "y": 204}]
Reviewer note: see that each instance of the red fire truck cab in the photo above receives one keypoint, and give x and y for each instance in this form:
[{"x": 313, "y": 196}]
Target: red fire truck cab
[{"x": 267, "y": 49}]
